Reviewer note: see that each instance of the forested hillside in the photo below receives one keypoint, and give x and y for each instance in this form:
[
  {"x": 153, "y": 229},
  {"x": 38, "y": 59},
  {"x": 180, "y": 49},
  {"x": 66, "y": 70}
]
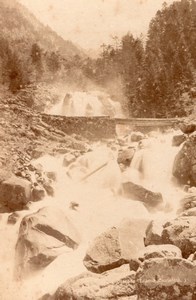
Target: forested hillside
[
  {"x": 157, "y": 75},
  {"x": 29, "y": 51}
]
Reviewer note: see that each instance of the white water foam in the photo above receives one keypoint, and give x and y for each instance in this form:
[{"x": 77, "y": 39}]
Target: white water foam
[{"x": 100, "y": 207}]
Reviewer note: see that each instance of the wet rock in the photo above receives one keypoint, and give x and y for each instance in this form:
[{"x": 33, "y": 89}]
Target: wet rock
[
  {"x": 137, "y": 192},
  {"x": 116, "y": 247},
  {"x": 13, "y": 218},
  {"x": 68, "y": 159},
  {"x": 177, "y": 140},
  {"x": 51, "y": 175},
  {"x": 38, "y": 193},
  {"x": 134, "y": 264},
  {"x": 184, "y": 168},
  {"x": 125, "y": 156},
  {"x": 187, "y": 127},
  {"x": 136, "y": 136},
  {"x": 42, "y": 237},
  {"x": 115, "y": 284},
  {"x": 49, "y": 189},
  {"x": 166, "y": 278},
  {"x": 161, "y": 251},
  {"x": 15, "y": 193}
]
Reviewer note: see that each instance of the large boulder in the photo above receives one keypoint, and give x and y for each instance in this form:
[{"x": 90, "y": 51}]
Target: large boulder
[
  {"x": 125, "y": 156},
  {"x": 187, "y": 202},
  {"x": 42, "y": 237},
  {"x": 177, "y": 140},
  {"x": 166, "y": 278},
  {"x": 188, "y": 127},
  {"x": 15, "y": 193},
  {"x": 180, "y": 232},
  {"x": 114, "y": 284},
  {"x": 184, "y": 168},
  {"x": 116, "y": 246},
  {"x": 137, "y": 192}
]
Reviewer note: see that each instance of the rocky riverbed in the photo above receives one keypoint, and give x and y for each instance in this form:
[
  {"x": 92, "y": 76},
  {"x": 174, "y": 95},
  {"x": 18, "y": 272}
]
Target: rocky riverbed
[{"x": 105, "y": 220}]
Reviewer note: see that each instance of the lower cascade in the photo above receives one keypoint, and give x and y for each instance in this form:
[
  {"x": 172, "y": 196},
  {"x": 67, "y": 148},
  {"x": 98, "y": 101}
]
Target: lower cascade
[{"x": 114, "y": 223}]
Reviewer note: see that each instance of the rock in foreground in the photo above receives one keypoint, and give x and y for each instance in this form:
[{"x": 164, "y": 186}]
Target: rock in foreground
[
  {"x": 42, "y": 237},
  {"x": 115, "y": 284},
  {"x": 184, "y": 168},
  {"x": 116, "y": 247},
  {"x": 180, "y": 232},
  {"x": 166, "y": 279}
]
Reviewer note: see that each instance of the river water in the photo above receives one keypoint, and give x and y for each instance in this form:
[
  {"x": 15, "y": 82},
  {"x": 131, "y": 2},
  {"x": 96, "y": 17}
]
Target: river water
[{"x": 101, "y": 205}]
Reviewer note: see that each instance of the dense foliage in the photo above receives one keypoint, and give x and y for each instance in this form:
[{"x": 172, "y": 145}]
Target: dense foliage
[
  {"x": 152, "y": 77},
  {"x": 157, "y": 76}
]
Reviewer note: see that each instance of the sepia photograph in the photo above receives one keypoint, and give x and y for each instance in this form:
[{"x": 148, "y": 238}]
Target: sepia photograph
[{"x": 98, "y": 150}]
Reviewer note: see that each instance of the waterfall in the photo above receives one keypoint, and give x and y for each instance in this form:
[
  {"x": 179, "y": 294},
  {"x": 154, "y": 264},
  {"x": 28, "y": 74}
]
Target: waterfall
[
  {"x": 100, "y": 207},
  {"x": 94, "y": 103}
]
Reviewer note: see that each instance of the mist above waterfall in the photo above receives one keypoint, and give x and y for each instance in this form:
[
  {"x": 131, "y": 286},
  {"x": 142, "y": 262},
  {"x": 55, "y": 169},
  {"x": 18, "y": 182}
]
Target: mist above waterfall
[{"x": 92, "y": 103}]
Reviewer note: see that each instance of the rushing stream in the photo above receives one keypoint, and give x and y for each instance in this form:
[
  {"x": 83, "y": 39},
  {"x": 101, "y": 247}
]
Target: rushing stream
[{"x": 101, "y": 204}]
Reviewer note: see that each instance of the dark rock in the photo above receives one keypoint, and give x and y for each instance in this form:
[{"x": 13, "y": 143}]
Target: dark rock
[
  {"x": 42, "y": 237},
  {"x": 15, "y": 193},
  {"x": 137, "y": 192},
  {"x": 166, "y": 278},
  {"x": 125, "y": 156},
  {"x": 134, "y": 264},
  {"x": 114, "y": 284},
  {"x": 38, "y": 193},
  {"x": 49, "y": 189},
  {"x": 178, "y": 140},
  {"x": 184, "y": 168},
  {"x": 13, "y": 218},
  {"x": 187, "y": 127},
  {"x": 137, "y": 136},
  {"x": 116, "y": 247}
]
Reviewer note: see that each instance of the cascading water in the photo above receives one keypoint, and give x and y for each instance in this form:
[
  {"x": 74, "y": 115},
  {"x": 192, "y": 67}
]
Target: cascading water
[
  {"x": 87, "y": 104},
  {"x": 100, "y": 207}
]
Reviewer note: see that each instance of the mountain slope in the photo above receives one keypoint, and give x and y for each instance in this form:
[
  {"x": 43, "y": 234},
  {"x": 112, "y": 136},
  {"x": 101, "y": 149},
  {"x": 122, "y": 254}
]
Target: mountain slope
[
  {"x": 31, "y": 52},
  {"x": 20, "y": 27}
]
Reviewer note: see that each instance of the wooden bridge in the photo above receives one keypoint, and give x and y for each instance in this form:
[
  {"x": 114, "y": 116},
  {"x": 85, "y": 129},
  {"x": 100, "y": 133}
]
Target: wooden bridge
[
  {"x": 106, "y": 127},
  {"x": 148, "y": 121},
  {"x": 146, "y": 124}
]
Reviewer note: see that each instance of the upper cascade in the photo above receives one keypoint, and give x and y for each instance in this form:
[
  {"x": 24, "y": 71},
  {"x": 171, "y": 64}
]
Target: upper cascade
[{"x": 87, "y": 104}]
